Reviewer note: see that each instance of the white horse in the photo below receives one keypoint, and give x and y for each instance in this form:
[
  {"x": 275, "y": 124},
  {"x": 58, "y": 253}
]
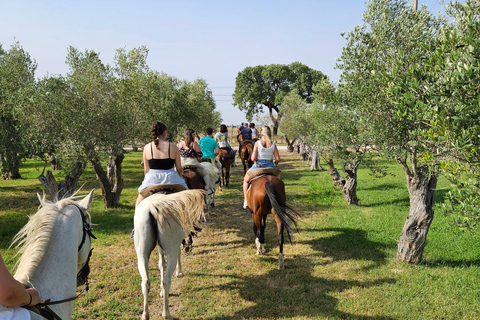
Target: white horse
[
  {"x": 164, "y": 221},
  {"x": 214, "y": 174},
  {"x": 55, "y": 251}
]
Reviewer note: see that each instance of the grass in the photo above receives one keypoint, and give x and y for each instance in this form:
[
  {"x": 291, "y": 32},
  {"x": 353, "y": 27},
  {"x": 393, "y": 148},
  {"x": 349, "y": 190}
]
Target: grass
[{"x": 341, "y": 264}]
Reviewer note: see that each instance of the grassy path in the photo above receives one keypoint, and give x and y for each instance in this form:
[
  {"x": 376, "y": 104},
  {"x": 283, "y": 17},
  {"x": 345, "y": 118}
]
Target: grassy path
[{"x": 341, "y": 264}]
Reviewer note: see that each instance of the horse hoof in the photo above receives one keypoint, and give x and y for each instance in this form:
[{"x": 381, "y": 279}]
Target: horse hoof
[{"x": 179, "y": 274}]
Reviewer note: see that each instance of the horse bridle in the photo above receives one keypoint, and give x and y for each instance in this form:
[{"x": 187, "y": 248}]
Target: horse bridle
[{"x": 43, "y": 307}]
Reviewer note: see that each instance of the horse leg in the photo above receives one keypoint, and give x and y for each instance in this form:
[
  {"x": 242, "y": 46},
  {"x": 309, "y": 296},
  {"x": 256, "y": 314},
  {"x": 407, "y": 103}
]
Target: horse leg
[
  {"x": 227, "y": 175},
  {"x": 179, "y": 270},
  {"x": 258, "y": 230},
  {"x": 281, "y": 261},
  {"x": 172, "y": 257},
  {"x": 145, "y": 240},
  {"x": 161, "y": 267}
]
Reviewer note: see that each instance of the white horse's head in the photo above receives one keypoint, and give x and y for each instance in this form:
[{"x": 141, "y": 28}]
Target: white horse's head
[{"x": 55, "y": 249}]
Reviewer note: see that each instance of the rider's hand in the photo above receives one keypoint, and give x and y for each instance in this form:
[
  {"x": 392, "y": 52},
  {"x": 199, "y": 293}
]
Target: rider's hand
[{"x": 35, "y": 296}]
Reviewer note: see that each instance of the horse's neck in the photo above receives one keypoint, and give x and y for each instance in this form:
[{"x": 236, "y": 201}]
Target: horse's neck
[{"x": 56, "y": 275}]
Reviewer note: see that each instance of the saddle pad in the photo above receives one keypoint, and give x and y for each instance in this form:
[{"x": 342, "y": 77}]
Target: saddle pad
[
  {"x": 154, "y": 189},
  {"x": 252, "y": 173}
]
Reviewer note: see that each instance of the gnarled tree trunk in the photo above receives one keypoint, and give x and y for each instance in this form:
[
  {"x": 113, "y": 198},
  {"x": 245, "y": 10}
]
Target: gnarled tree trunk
[
  {"x": 421, "y": 185},
  {"x": 314, "y": 160},
  {"x": 338, "y": 180},
  {"x": 349, "y": 189},
  {"x": 111, "y": 181},
  {"x": 290, "y": 144},
  {"x": 65, "y": 189}
]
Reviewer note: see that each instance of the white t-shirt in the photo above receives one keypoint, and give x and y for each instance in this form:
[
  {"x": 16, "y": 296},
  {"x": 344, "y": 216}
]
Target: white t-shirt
[
  {"x": 16, "y": 313},
  {"x": 265, "y": 153}
]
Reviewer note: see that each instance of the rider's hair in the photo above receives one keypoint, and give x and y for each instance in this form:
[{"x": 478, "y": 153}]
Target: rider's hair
[
  {"x": 158, "y": 129},
  {"x": 209, "y": 131},
  {"x": 267, "y": 133},
  {"x": 223, "y": 128},
  {"x": 251, "y": 125},
  {"x": 189, "y": 137}
]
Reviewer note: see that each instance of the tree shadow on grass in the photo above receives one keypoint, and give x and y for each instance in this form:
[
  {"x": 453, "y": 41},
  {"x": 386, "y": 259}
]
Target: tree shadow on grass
[
  {"x": 294, "y": 292},
  {"x": 452, "y": 263},
  {"x": 348, "y": 244}
]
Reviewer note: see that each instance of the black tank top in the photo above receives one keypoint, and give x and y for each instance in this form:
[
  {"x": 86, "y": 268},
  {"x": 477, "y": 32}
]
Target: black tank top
[{"x": 161, "y": 164}]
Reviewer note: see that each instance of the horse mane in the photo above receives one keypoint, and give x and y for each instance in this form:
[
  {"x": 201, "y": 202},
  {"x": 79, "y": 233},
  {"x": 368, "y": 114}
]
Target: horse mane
[
  {"x": 34, "y": 238},
  {"x": 185, "y": 207}
]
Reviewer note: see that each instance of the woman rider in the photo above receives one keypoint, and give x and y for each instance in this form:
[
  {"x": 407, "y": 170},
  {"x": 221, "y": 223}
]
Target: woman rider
[
  {"x": 264, "y": 153},
  {"x": 160, "y": 159},
  {"x": 190, "y": 152}
]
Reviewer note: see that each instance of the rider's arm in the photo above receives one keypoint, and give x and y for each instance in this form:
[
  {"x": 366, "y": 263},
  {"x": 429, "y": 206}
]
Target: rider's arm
[
  {"x": 276, "y": 155},
  {"x": 178, "y": 162},
  {"x": 12, "y": 292},
  {"x": 255, "y": 152},
  {"x": 146, "y": 166},
  {"x": 197, "y": 148}
]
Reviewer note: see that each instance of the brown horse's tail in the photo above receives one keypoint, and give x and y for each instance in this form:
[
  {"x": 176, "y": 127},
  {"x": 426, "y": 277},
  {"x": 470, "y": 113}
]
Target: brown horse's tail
[{"x": 281, "y": 210}]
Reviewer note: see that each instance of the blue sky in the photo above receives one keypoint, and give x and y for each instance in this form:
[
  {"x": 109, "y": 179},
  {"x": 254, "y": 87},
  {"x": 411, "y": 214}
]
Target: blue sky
[{"x": 209, "y": 39}]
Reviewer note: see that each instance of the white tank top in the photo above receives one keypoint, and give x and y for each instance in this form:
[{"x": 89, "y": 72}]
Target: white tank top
[{"x": 265, "y": 153}]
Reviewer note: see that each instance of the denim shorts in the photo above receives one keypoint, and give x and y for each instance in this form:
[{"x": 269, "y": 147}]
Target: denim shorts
[{"x": 263, "y": 164}]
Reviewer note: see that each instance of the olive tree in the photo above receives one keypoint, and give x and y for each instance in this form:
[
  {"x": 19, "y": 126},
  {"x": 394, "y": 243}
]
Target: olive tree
[
  {"x": 267, "y": 85},
  {"x": 378, "y": 58},
  {"x": 17, "y": 75},
  {"x": 454, "y": 100}
]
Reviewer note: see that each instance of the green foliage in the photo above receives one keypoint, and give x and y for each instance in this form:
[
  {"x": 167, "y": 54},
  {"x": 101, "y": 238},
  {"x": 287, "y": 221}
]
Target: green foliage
[
  {"x": 267, "y": 86},
  {"x": 17, "y": 71}
]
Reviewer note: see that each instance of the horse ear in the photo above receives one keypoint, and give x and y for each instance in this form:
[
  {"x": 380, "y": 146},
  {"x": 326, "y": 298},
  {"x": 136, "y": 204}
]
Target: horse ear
[
  {"x": 43, "y": 200},
  {"x": 85, "y": 203}
]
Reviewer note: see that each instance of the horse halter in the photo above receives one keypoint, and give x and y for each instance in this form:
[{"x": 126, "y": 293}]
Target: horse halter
[{"x": 43, "y": 307}]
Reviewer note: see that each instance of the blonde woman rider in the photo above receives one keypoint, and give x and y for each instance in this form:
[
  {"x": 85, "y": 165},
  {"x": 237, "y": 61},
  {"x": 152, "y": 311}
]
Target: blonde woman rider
[{"x": 265, "y": 155}]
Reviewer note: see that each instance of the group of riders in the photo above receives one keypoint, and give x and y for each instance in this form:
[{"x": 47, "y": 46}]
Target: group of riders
[{"x": 163, "y": 163}]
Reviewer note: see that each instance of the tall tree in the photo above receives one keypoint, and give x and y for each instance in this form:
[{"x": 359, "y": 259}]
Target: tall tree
[
  {"x": 454, "y": 97},
  {"x": 17, "y": 74},
  {"x": 266, "y": 86},
  {"x": 378, "y": 59}
]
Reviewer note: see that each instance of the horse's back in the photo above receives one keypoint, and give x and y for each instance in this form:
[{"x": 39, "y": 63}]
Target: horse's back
[{"x": 259, "y": 192}]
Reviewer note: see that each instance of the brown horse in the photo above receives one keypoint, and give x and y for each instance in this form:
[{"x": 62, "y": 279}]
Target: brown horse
[
  {"x": 246, "y": 151},
  {"x": 226, "y": 160},
  {"x": 267, "y": 195}
]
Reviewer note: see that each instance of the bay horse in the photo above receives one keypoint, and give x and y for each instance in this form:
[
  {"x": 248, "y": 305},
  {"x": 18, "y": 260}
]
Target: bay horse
[
  {"x": 265, "y": 195},
  {"x": 226, "y": 160},
  {"x": 55, "y": 254},
  {"x": 246, "y": 151},
  {"x": 164, "y": 220}
]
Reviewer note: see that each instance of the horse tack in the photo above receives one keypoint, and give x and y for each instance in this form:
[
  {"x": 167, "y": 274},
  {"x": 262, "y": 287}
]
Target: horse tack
[{"x": 43, "y": 308}]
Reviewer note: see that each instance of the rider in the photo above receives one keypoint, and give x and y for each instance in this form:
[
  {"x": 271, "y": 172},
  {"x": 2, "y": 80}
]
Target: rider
[
  {"x": 246, "y": 134},
  {"x": 254, "y": 131},
  {"x": 14, "y": 296},
  {"x": 222, "y": 139},
  {"x": 210, "y": 148},
  {"x": 264, "y": 153},
  {"x": 160, "y": 157},
  {"x": 190, "y": 152}
]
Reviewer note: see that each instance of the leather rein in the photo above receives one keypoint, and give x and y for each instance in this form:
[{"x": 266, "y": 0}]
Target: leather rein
[{"x": 43, "y": 307}]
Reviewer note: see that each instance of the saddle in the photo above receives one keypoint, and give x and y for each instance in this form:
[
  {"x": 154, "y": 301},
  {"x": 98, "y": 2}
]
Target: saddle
[
  {"x": 246, "y": 141},
  {"x": 256, "y": 173},
  {"x": 231, "y": 154},
  {"x": 162, "y": 188}
]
